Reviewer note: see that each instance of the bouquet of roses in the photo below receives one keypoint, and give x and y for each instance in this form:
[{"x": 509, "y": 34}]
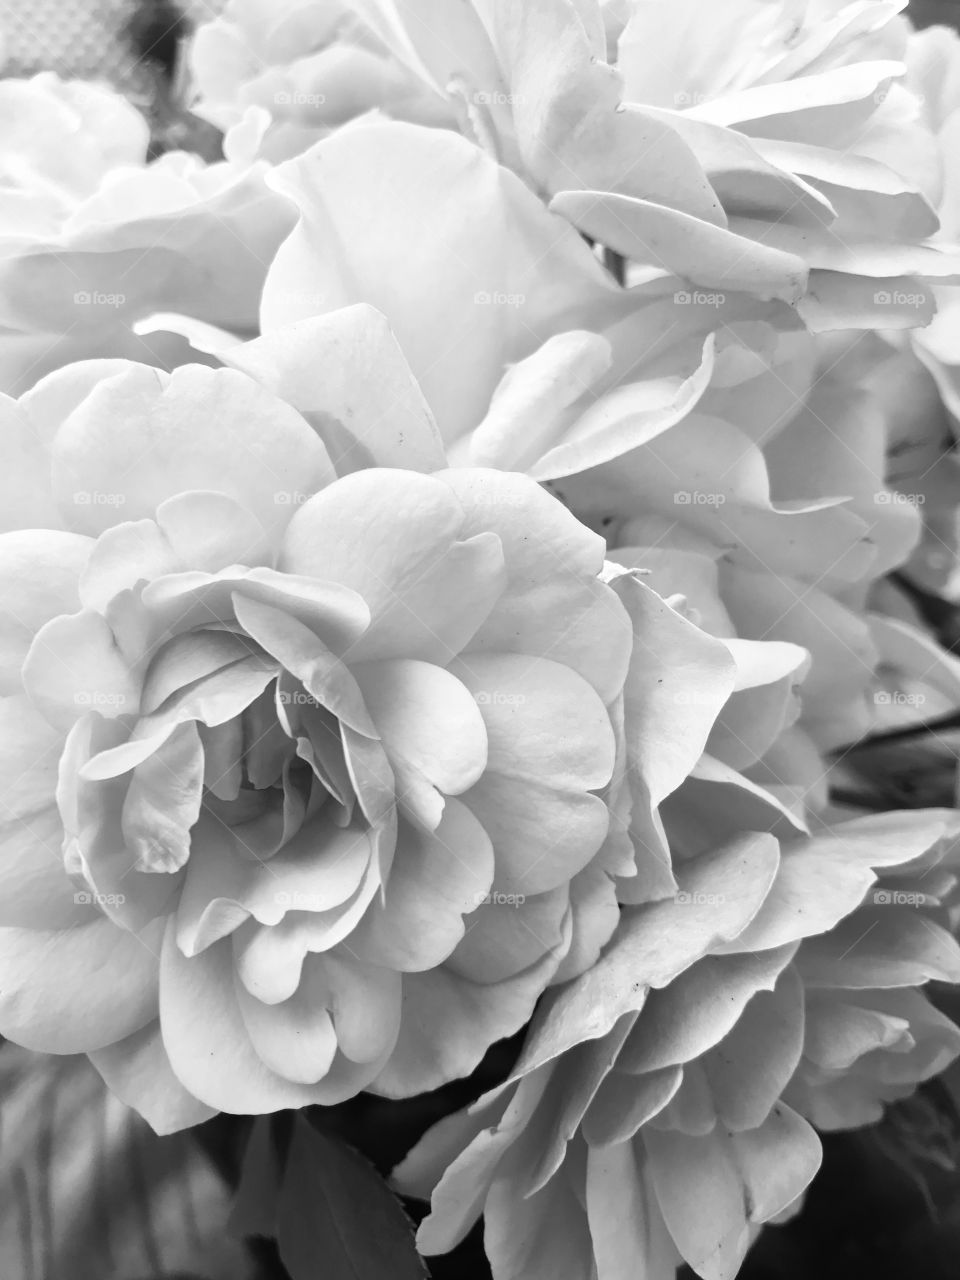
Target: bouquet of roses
[{"x": 469, "y": 555}]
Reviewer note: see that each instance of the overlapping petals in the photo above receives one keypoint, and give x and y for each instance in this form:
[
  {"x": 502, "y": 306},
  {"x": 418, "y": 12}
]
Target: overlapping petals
[
  {"x": 797, "y": 167},
  {"x": 661, "y": 1107},
  {"x": 923, "y": 390},
  {"x": 777, "y": 512},
  {"x": 311, "y": 67},
  {"x": 311, "y": 767},
  {"x": 733, "y": 436},
  {"x": 510, "y": 350},
  {"x": 480, "y": 638},
  {"x": 91, "y": 244},
  {"x": 933, "y": 61}
]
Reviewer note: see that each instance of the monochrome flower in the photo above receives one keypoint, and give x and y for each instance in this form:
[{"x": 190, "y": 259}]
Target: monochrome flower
[
  {"x": 661, "y": 1108},
  {"x": 311, "y": 67},
  {"x": 305, "y": 767},
  {"x": 793, "y": 166},
  {"x": 96, "y": 242},
  {"x": 478, "y": 561}
]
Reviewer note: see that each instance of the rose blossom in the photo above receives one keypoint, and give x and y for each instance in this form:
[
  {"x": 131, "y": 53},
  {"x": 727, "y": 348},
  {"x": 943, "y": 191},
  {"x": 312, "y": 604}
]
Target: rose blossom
[
  {"x": 922, "y": 379},
  {"x": 94, "y": 237},
  {"x": 660, "y": 1109},
  {"x": 933, "y": 61},
  {"x": 303, "y": 771},
  {"x": 311, "y": 66},
  {"x": 778, "y": 517},
  {"x": 797, "y": 167},
  {"x": 710, "y": 437}
]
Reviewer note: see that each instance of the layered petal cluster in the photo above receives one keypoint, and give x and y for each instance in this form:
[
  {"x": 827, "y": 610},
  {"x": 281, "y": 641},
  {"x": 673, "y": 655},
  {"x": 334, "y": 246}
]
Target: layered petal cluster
[
  {"x": 94, "y": 238},
  {"x": 793, "y": 165},
  {"x": 489, "y": 282},
  {"x": 933, "y": 60},
  {"x": 662, "y": 1106},
  {"x": 922, "y": 386},
  {"x": 712, "y": 439},
  {"x": 303, "y": 772},
  {"x": 732, "y": 704},
  {"x": 312, "y": 66},
  {"x": 817, "y": 92},
  {"x": 779, "y": 504},
  {"x": 466, "y": 640}
]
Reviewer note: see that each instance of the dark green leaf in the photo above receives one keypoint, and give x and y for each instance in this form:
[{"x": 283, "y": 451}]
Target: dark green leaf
[
  {"x": 254, "y": 1210},
  {"x": 337, "y": 1219}
]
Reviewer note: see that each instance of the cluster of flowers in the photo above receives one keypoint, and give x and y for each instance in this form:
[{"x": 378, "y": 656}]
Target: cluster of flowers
[{"x": 446, "y": 548}]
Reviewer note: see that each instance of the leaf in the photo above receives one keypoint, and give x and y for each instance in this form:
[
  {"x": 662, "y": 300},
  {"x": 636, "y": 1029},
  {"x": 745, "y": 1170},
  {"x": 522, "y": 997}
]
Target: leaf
[
  {"x": 336, "y": 1218},
  {"x": 254, "y": 1211},
  {"x": 89, "y": 1191}
]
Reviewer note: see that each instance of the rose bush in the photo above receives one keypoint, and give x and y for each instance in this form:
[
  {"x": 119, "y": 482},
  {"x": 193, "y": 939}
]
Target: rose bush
[{"x": 478, "y": 639}]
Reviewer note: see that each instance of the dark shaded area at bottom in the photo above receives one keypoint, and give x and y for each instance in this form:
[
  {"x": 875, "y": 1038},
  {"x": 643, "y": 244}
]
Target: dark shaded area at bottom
[
  {"x": 867, "y": 1217},
  {"x": 885, "y": 1205}
]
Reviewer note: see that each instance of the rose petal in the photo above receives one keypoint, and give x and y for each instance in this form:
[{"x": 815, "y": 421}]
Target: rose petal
[
  {"x": 347, "y": 375},
  {"x": 39, "y": 571},
  {"x": 503, "y": 938},
  {"x": 72, "y": 990},
  {"x": 141, "y": 437},
  {"x": 430, "y": 726},
  {"x": 138, "y": 1071},
  {"x": 317, "y": 871},
  {"x": 436, "y": 880},
  {"x": 544, "y": 722},
  {"x": 541, "y": 837},
  {"x": 449, "y": 1023},
  {"x": 459, "y": 208},
  {"x": 75, "y": 665}
]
